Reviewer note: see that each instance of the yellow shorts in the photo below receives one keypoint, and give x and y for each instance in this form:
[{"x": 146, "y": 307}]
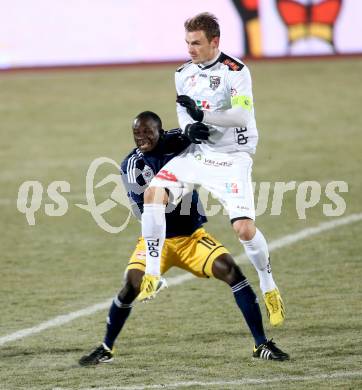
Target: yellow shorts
[{"x": 195, "y": 254}]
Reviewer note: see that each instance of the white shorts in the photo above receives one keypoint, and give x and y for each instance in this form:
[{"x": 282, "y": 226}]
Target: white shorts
[{"x": 226, "y": 176}]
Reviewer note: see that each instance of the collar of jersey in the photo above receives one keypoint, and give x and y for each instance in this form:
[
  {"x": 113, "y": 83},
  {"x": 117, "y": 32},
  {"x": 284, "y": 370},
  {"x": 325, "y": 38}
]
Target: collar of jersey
[{"x": 211, "y": 63}]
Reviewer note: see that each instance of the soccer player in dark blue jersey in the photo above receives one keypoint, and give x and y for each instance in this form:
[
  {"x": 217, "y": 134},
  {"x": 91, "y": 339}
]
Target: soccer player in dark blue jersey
[{"x": 187, "y": 245}]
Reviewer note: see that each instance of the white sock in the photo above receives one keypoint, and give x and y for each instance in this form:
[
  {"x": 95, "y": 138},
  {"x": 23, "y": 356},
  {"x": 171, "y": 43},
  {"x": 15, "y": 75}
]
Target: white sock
[
  {"x": 257, "y": 251},
  {"x": 154, "y": 233}
]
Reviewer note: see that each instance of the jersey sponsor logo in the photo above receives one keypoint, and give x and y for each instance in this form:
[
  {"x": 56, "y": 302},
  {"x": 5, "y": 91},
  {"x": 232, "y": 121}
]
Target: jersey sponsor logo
[
  {"x": 233, "y": 92},
  {"x": 153, "y": 247},
  {"x": 242, "y": 207},
  {"x": 215, "y": 163},
  {"x": 203, "y": 75},
  {"x": 232, "y": 188},
  {"x": 203, "y": 104},
  {"x": 214, "y": 82},
  {"x": 232, "y": 64},
  {"x": 240, "y": 137},
  {"x": 166, "y": 175},
  {"x": 212, "y": 163}
]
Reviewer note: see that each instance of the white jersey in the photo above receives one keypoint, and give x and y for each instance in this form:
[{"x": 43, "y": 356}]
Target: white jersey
[{"x": 223, "y": 84}]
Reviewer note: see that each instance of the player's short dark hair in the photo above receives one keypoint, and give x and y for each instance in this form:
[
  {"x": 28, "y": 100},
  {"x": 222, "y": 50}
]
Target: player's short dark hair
[
  {"x": 206, "y": 22},
  {"x": 149, "y": 115}
]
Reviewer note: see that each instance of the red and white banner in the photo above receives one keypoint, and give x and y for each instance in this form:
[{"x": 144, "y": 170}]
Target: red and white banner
[{"x": 74, "y": 32}]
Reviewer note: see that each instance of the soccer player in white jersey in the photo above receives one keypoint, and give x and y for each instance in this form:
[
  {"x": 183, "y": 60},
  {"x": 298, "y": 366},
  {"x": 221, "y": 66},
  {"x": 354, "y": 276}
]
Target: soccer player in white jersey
[{"x": 216, "y": 111}]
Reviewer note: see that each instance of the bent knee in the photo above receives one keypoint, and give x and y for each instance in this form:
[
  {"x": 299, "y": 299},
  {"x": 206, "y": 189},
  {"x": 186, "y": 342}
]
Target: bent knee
[
  {"x": 132, "y": 286},
  {"x": 245, "y": 229},
  {"x": 224, "y": 268},
  {"x": 155, "y": 195}
]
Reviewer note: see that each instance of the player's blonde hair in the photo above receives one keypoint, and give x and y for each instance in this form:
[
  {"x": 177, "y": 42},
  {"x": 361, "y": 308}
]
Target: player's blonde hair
[{"x": 206, "y": 22}]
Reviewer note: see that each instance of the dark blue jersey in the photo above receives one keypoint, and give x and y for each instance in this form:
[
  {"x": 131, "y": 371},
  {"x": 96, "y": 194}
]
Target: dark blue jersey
[{"x": 138, "y": 169}]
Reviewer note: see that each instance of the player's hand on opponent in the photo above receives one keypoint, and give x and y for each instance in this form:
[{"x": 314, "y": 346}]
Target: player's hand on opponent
[
  {"x": 196, "y": 132},
  {"x": 191, "y": 107},
  {"x": 151, "y": 285}
]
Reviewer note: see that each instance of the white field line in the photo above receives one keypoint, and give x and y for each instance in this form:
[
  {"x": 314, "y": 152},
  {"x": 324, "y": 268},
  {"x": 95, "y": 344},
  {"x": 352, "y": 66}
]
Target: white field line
[
  {"x": 241, "y": 382},
  {"x": 273, "y": 245}
]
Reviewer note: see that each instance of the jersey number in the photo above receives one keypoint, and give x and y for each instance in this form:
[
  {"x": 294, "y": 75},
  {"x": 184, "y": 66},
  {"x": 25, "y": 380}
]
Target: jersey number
[
  {"x": 206, "y": 241},
  {"x": 241, "y": 139}
]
